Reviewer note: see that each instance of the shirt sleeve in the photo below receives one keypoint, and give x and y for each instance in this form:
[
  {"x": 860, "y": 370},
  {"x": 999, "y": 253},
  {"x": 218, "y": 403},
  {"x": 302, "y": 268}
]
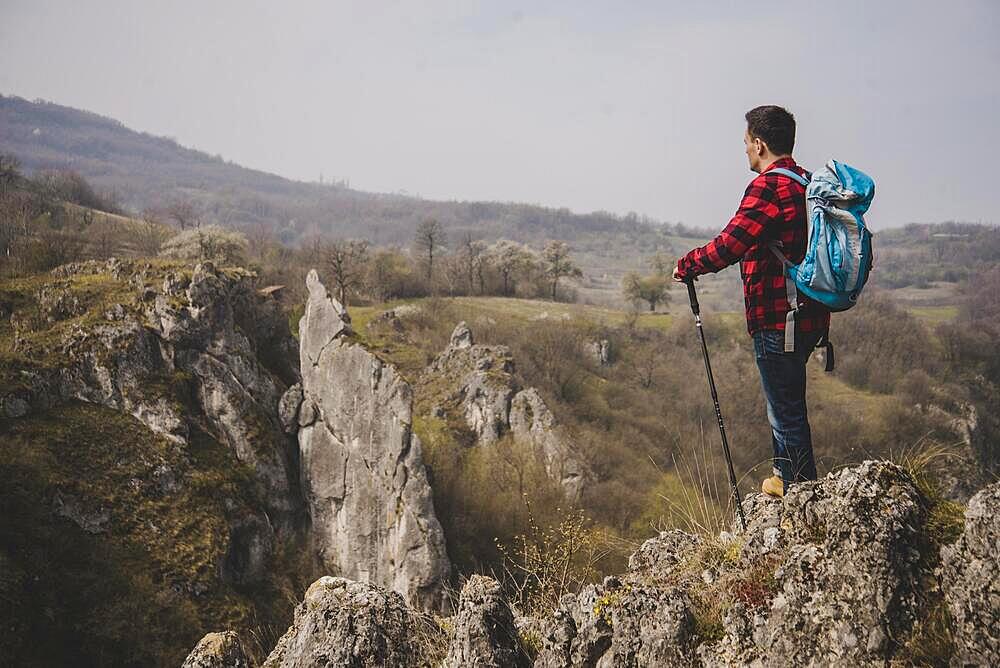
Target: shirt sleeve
[{"x": 747, "y": 228}]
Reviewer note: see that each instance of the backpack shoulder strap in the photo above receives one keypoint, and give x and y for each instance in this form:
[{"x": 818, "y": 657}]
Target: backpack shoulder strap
[
  {"x": 791, "y": 293},
  {"x": 790, "y": 174}
]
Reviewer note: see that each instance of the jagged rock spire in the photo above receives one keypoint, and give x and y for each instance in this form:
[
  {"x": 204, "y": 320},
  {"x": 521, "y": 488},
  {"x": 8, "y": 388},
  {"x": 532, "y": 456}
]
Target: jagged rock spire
[{"x": 361, "y": 465}]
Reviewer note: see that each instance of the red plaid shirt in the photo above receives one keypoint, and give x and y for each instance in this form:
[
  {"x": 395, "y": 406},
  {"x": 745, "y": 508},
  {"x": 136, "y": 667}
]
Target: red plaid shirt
[{"x": 773, "y": 209}]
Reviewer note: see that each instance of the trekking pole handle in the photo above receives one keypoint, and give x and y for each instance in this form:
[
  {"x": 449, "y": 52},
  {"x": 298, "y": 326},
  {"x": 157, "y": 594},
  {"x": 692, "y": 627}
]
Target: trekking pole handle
[{"x": 693, "y": 296}]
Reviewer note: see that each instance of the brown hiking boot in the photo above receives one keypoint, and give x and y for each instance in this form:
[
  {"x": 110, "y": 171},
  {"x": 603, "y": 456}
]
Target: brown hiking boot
[{"x": 773, "y": 486}]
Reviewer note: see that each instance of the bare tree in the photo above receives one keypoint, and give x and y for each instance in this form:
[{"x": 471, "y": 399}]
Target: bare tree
[
  {"x": 453, "y": 274},
  {"x": 646, "y": 363},
  {"x": 104, "y": 242},
  {"x": 258, "y": 239},
  {"x": 346, "y": 260},
  {"x": 430, "y": 240},
  {"x": 559, "y": 264},
  {"x": 150, "y": 234},
  {"x": 472, "y": 258},
  {"x": 184, "y": 213}
]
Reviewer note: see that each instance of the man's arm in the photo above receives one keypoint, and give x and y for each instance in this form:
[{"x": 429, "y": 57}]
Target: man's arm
[{"x": 759, "y": 206}]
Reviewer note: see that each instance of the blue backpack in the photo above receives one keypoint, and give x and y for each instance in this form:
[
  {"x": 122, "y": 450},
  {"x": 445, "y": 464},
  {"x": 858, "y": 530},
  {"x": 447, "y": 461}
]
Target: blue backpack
[{"x": 838, "y": 247}]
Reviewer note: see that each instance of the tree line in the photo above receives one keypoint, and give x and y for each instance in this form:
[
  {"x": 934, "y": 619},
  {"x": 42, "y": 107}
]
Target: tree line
[{"x": 437, "y": 265}]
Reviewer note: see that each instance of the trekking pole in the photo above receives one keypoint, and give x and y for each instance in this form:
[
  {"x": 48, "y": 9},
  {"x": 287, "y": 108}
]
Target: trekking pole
[{"x": 715, "y": 399}]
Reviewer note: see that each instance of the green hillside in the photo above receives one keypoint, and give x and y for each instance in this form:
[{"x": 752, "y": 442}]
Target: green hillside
[{"x": 143, "y": 171}]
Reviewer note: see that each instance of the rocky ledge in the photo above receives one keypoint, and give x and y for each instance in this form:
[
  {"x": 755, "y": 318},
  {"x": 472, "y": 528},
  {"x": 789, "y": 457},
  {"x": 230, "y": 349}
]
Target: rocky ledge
[{"x": 841, "y": 573}]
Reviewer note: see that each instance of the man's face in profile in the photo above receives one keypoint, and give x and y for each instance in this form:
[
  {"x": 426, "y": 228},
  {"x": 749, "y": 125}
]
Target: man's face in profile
[{"x": 752, "y": 151}]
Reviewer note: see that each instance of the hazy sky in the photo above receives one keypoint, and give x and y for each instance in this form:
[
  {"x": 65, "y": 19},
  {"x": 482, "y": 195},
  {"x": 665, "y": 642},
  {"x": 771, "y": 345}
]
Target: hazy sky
[{"x": 623, "y": 106}]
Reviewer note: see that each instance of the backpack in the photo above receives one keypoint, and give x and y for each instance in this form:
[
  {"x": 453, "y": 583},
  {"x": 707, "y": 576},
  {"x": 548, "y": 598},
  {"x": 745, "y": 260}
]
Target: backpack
[{"x": 838, "y": 254}]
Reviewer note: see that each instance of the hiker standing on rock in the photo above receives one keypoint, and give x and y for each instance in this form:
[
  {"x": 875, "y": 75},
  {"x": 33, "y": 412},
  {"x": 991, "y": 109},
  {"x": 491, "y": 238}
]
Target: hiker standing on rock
[{"x": 772, "y": 214}]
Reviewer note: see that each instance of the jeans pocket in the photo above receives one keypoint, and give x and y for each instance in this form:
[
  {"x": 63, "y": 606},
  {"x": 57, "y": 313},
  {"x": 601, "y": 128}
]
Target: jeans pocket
[{"x": 768, "y": 343}]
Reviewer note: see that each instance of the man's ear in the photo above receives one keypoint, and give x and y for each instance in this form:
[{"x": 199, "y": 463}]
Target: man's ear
[{"x": 759, "y": 146}]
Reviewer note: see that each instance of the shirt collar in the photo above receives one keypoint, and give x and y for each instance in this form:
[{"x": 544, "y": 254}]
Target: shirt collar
[{"x": 786, "y": 163}]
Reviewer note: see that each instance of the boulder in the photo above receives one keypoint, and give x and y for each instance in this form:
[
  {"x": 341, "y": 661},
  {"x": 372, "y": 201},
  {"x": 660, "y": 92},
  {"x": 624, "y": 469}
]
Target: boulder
[
  {"x": 659, "y": 556},
  {"x": 970, "y": 577},
  {"x": 485, "y": 634},
  {"x": 217, "y": 650},
  {"x": 461, "y": 337},
  {"x": 578, "y": 634},
  {"x": 848, "y": 577},
  {"x": 346, "y": 623},
  {"x": 288, "y": 408}
]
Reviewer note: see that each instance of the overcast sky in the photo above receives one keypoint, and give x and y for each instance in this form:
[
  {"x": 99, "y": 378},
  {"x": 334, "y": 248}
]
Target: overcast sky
[{"x": 622, "y": 106}]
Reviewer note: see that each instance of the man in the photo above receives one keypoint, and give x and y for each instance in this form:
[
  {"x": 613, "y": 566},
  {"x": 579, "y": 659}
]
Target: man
[{"x": 773, "y": 210}]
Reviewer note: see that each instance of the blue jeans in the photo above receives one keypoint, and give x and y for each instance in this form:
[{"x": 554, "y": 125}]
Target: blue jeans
[{"x": 783, "y": 377}]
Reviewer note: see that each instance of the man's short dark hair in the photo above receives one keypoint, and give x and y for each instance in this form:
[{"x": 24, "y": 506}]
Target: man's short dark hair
[{"x": 774, "y": 126}]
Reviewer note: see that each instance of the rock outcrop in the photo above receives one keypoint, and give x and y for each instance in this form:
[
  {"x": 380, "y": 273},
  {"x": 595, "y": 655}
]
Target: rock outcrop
[
  {"x": 828, "y": 577},
  {"x": 847, "y": 578},
  {"x": 599, "y": 351},
  {"x": 361, "y": 467},
  {"x": 213, "y": 335},
  {"x": 620, "y": 623},
  {"x": 971, "y": 581},
  {"x": 142, "y": 397},
  {"x": 482, "y": 387},
  {"x": 485, "y": 634},
  {"x": 170, "y": 355},
  {"x": 532, "y": 422},
  {"x": 345, "y": 623},
  {"x": 217, "y": 650}
]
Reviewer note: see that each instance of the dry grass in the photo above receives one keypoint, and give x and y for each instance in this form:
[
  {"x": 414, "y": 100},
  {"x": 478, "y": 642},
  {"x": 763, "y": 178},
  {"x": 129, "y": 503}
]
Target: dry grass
[
  {"x": 930, "y": 642},
  {"x": 926, "y": 461},
  {"x": 545, "y": 563}
]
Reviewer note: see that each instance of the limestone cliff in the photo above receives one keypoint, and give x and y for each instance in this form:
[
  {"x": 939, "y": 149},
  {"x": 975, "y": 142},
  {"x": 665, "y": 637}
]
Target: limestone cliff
[
  {"x": 479, "y": 383},
  {"x": 147, "y": 483},
  {"x": 167, "y": 336},
  {"x": 362, "y": 472}
]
